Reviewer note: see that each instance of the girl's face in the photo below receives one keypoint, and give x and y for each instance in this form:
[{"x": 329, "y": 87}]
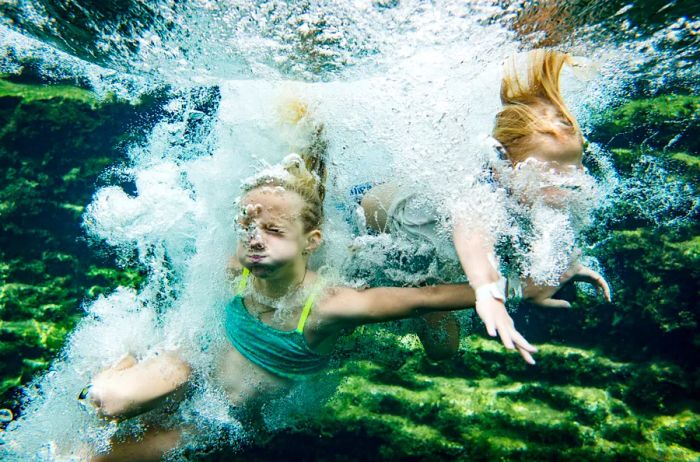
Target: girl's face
[
  {"x": 562, "y": 145},
  {"x": 270, "y": 229},
  {"x": 552, "y": 170},
  {"x": 555, "y": 184}
]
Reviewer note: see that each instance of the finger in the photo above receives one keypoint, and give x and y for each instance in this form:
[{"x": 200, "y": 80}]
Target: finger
[
  {"x": 490, "y": 327},
  {"x": 526, "y": 355},
  {"x": 585, "y": 275},
  {"x": 593, "y": 277},
  {"x": 520, "y": 342},
  {"x": 603, "y": 284},
  {"x": 486, "y": 316},
  {"x": 505, "y": 337},
  {"x": 553, "y": 303},
  {"x": 599, "y": 281}
]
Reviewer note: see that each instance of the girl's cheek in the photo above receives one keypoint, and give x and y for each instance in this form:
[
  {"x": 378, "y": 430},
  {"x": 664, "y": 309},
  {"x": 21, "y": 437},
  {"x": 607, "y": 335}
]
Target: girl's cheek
[
  {"x": 240, "y": 252},
  {"x": 284, "y": 249}
]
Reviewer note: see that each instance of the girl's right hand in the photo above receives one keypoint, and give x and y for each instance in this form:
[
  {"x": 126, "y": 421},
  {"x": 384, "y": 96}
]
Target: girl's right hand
[{"x": 495, "y": 317}]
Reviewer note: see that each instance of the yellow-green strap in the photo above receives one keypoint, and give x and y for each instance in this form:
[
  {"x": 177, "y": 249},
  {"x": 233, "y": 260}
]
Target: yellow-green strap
[
  {"x": 307, "y": 306},
  {"x": 243, "y": 282},
  {"x": 305, "y": 312}
]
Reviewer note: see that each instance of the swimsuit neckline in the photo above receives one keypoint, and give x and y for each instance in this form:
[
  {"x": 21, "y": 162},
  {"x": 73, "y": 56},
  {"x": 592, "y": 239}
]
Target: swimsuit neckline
[
  {"x": 259, "y": 321},
  {"x": 289, "y": 333}
]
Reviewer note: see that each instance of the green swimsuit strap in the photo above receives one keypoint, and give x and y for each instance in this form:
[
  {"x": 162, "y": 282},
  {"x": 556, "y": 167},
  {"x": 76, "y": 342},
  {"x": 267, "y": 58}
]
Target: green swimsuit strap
[
  {"x": 243, "y": 282},
  {"x": 307, "y": 309},
  {"x": 307, "y": 305}
]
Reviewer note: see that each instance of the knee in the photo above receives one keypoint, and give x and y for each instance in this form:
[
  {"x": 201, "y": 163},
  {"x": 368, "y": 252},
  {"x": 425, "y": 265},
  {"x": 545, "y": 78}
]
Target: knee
[
  {"x": 440, "y": 335},
  {"x": 106, "y": 400},
  {"x": 178, "y": 370},
  {"x": 121, "y": 392}
]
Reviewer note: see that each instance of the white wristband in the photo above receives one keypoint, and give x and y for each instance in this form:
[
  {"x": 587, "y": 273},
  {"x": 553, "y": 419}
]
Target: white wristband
[{"x": 495, "y": 290}]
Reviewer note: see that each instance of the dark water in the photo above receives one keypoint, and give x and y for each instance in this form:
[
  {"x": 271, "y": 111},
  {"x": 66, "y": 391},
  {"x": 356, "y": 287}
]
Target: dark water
[{"x": 613, "y": 381}]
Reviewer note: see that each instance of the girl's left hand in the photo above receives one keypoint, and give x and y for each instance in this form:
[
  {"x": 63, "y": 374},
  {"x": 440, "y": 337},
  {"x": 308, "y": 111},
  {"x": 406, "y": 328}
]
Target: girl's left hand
[
  {"x": 542, "y": 295},
  {"x": 495, "y": 317}
]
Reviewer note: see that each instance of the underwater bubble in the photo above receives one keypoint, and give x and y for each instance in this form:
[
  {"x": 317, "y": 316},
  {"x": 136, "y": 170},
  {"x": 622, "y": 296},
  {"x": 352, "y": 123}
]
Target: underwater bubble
[{"x": 6, "y": 416}]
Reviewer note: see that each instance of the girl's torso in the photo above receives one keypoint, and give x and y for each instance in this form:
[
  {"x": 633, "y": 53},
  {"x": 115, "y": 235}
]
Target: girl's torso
[{"x": 265, "y": 352}]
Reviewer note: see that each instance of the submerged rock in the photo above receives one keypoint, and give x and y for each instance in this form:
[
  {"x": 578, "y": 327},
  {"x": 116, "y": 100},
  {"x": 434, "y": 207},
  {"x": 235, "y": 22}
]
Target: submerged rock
[
  {"x": 666, "y": 122},
  {"x": 486, "y": 404}
]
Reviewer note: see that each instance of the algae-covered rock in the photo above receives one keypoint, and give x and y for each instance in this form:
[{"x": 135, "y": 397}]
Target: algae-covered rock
[
  {"x": 650, "y": 256},
  {"x": 54, "y": 143},
  {"x": 656, "y": 282},
  {"x": 81, "y": 27},
  {"x": 667, "y": 121},
  {"x": 575, "y": 404}
]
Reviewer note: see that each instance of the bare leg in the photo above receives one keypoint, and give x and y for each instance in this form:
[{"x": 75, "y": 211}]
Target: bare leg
[
  {"x": 150, "y": 447},
  {"x": 376, "y": 205},
  {"x": 439, "y": 335},
  {"x": 130, "y": 388},
  {"x": 440, "y": 332}
]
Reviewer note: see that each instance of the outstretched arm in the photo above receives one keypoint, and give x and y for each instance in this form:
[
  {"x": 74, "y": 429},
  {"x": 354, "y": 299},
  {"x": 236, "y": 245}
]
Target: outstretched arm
[
  {"x": 475, "y": 251},
  {"x": 350, "y": 308}
]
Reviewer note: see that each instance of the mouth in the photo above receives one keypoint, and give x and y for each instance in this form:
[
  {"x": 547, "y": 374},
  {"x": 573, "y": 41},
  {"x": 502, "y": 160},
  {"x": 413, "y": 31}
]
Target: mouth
[{"x": 256, "y": 258}]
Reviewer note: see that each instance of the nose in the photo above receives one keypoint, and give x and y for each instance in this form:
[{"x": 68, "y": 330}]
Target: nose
[{"x": 255, "y": 240}]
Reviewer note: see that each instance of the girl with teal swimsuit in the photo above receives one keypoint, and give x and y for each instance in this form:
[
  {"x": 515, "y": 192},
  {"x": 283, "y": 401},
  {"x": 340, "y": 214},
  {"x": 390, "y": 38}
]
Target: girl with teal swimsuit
[{"x": 283, "y": 321}]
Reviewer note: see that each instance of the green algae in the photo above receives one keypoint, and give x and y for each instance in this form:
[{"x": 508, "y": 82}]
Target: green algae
[
  {"x": 510, "y": 418},
  {"x": 575, "y": 404},
  {"x": 665, "y": 109},
  {"x": 660, "y": 271},
  {"x": 55, "y": 141},
  {"x": 435, "y": 412},
  {"x": 689, "y": 248},
  {"x": 654, "y": 269},
  {"x": 660, "y": 123},
  {"x": 690, "y": 161},
  {"x": 29, "y": 93}
]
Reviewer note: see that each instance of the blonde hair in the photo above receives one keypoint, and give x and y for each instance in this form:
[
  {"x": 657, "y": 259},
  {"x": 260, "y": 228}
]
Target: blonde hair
[
  {"x": 304, "y": 174},
  {"x": 518, "y": 119}
]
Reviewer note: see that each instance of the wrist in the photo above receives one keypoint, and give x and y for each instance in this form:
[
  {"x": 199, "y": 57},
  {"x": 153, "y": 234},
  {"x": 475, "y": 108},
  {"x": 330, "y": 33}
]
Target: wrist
[
  {"x": 492, "y": 290},
  {"x": 482, "y": 271}
]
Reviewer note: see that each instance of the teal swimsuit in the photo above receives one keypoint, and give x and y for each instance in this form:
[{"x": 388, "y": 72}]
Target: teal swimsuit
[{"x": 283, "y": 353}]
